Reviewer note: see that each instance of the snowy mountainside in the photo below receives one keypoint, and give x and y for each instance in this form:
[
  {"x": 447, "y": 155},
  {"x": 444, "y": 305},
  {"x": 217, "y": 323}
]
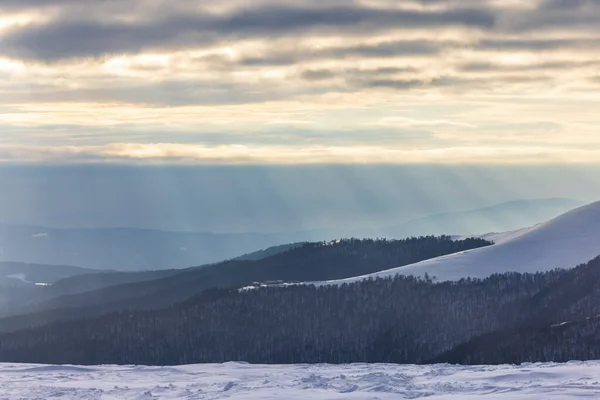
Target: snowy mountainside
[
  {"x": 500, "y": 237},
  {"x": 564, "y": 242}
]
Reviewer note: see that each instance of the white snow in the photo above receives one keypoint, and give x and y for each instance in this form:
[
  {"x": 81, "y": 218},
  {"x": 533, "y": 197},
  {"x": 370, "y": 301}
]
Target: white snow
[
  {"x": 501, "y": 237},
  {"x": 23, "y": 278},
  {"x": 19, "y": 277},
  {"x": 39, "y": 235},
  {"x": 564, "y": 242},
  {"x": 295, "y": 382}
]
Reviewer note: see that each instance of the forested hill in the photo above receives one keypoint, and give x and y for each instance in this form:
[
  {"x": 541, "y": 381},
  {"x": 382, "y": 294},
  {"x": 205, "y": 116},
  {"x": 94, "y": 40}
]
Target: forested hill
[
  {"x": 308, "y": 262},
  {"x": 353, "y": 257},
  {"x": 392, "y": 320}
]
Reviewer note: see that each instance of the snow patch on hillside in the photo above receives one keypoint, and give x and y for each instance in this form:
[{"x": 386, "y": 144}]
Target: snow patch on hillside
[
  {"x": 22, "y": 278},
  {"x": 357, "y": 381},
  {"x": 19, "y": 277}
]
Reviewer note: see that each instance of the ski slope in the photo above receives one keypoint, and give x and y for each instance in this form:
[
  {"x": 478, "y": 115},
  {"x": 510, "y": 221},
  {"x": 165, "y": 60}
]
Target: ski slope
[
  {"x": 564, "y": 242},
  {"x": 299, "y": 382}
]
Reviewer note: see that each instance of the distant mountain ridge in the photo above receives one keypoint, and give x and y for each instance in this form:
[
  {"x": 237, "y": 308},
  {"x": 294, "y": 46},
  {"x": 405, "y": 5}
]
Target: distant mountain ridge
[
  {"x": 125, "y": 249},
  {"x": 503, "y": 217},
  {"x": 24, "y": 274},
  {"x": 130, "y": 249},
  {"x": 95, "y": 280}
]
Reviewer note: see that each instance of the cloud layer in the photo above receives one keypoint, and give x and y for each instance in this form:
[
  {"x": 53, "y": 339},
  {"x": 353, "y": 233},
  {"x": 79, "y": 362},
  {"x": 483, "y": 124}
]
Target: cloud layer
[{"x": 373, "y": 81}]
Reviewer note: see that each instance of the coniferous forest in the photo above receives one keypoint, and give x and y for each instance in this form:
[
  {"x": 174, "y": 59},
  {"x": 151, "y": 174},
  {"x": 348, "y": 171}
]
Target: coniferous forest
[
  {"x": 510, "y": 318},
  {"x": 76, "y": 298}
]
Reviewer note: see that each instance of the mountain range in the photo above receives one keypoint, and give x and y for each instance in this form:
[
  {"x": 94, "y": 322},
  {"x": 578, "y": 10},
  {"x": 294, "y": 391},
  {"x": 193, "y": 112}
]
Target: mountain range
[
  {"x": 130, "y": 250},
  {"x": 421, "y": 299},
  {"x": 154, "y": 290}
]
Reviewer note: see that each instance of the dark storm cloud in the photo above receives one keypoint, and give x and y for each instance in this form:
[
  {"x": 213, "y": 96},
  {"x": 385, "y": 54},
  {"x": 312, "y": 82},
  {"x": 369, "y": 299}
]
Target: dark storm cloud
[{"x": 68, "y": 37}]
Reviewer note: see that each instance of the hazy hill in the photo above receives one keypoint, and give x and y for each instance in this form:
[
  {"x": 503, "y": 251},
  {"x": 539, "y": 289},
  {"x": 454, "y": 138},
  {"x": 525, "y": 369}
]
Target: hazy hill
[
  {"x": 23, "y": 274},
  {"x": 126, "y": 249},
  {"x": 310, "y": 261},
  {"x": 503, "y": 217},
  {"x": 91, "y": 280},
  {"x": 271, "y": 251}
]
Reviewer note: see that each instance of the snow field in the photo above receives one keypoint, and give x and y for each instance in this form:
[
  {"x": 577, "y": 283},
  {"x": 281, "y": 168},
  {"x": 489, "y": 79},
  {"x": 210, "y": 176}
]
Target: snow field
[{"x": 252, "y": 382}]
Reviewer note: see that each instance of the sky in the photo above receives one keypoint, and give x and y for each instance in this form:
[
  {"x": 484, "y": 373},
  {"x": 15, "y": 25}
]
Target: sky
[
  {"x": 281, "y": 115},
  {"x": 271, "y": 82},
  {"x": 270, "y": 199}
]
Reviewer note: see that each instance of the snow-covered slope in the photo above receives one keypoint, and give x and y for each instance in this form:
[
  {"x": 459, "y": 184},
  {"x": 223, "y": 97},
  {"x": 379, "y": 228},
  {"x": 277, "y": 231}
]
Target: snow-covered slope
[
  {"x": 575, "y": 380},
  {"x": 500, "y": 237},
  {"x": 564, "y": 242}
]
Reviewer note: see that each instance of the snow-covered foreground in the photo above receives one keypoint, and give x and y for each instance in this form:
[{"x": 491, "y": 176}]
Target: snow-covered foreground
[
  {"x": 358, "y": 381},
  {"x": 564, "y": 242}
]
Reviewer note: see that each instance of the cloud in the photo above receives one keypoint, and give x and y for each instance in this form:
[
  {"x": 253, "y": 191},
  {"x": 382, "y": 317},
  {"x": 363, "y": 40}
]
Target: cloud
[
  {"x": 28, "y": 4},
  {"x": 557, "y": 66},
  {"x": 388, "y": 49},
  {"x": 237, "y": 81},
  {"x": 350, "y": 74},
  {"x": 573, "y": 15},
  {"x": 539, "y": 44},
  {"x": 408, "y": 84},
  {"x": 64, "y": 38},
  {"x": 410, "y": 123},
  {"x": 173, "y": 153}
]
